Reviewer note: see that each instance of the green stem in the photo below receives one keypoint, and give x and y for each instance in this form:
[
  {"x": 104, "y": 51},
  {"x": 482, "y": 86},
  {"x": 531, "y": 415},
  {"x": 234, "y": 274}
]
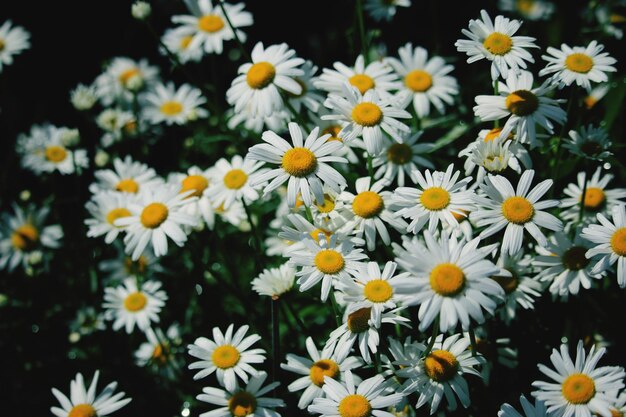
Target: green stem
[
  {"x": 472, "y": 336},
  {"x": 370, "y": 167},
  {"x": 581, "y": 212},
  {"x": 275, "y": 338},
  {"x": 302, "y": 328},
  {"x": 359, "y": 17},
  {"x": 433, "y": 336},
  {"x": 295, "y": 114},
  {"x": 333, "y": 302},
  {"x": 255, "y": 233},
  {"x": 244, "y": 51},
  {"x": 309, "y": 216}
]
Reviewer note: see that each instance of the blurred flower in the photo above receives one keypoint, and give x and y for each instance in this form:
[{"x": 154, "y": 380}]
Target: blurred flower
[
  {"x": 161, "y": 352},
  {"x": 87, "y": 321},
  {"x": 528, "y": 9},
  {"x": 141, "y": 10},
  {"x": 380, "y": 10},
  {"x": 104, "y": 208},
  {"x": 165, "y": 104},
  {"x": 274, "y": 282},
  {"x": 13, "y": 41},
  {"x": 537, "y": 410},
  {"x": 123, "y": 78},
  {"x": 83, "y": 97},
  {"x": 126, "y": 176},
  {"x": 589, "y": 142}
]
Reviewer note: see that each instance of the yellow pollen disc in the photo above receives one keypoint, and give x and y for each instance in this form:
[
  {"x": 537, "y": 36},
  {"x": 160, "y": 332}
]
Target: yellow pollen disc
[
  {"x": 368, "y": 204},
  {"x": 362, "y": 82},
  {"x": 153, "y": 215},
  {"x": 235, "y": 179},
  {"x": 117, "y": 213},
  {"x": 435, "y": 198},
  {"x": 260, "y": 75},
  {"x": 367, "y": 114},
  {"x": 574, "y": 258},
  {"x": 328, "y": 206},
  {"x": 135, "y": 301},
  {"x": 580, "y": 63},
  {"x": 618, "y": 241},
  {"x": 590, "y": 102},
  {"x": 461, "y": 215},
  {"x": 447, "y": 280},
  {"x": 329, "y": 261},
  {"x": 418, "y": 81},
  {"x": 160, "y": 353},
  {"x": 128, "y": 74},
  {"x": 494, "y": 133},
  {"x": 616, "y": 413},
  {"x": 128, "y": 185},
  {"x": 299, "y": 162},
  {"x": 225, "y": 356},
  {"x": 617, "y": 18},
  {"x": 378, "y": 291},
  {"x": 578, "y": 389},
  {"x": 135, "y": 267},
  {"x": 354, "y": 405},
  {"x": 210, "y": 23},
  {"x": 522, "y": 103},
  {"x": 594, "y": 198},
  {"x": 358, "y": 321},
  {"x": 2, "y": 45},
  {"x": 525, "y": 6},
  {"x": 242, "y": 404},
  {"x": 25, "y": 237},
  {"x": 441, "y": 365},
  {"x": 315, "y": 234},
  {"x": 82, "y": 410},
  {"x": 56, "y": 154},
  {"x": 197, "y": 183},
  {"x": 333, "y": 131},
  {"x": 400, "y": 153},
  {"x": 171, "y": 108},
  {"x": 508, "y": 284},
  {"x": 498, "y": 43},
  {"x": 322, "y": 368},
  {"x": 517, "y": 210},
  {"x": 185, "y": 41},
  {"x": 130, "y": 127}
]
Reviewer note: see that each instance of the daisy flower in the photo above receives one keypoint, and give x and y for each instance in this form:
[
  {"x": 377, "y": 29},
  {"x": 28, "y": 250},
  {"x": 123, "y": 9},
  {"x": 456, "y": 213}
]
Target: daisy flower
[
  {"x": 366, "y": 116},
  {"x": 517, "y": 210},
  {"x": 320, "y": 365},
  {"x": 308, "y": 97},
  {"x": 528, "y": 9},
  {"x": 235, "y": 215},
  {"x": 126, "y": 176},
  {"x": 131, "y": 304},
  {"x": 537, "y": 410},
  {"x": 595, "y": 95},
  {"x": 13, "y": 41},
  {"x": 166, "y": 104},
  {"x": 179, "y": 42},
  {"x": 610, "y": 243},
  {"x": 332, "y": 214},
  {"x": 257, "y": 91},
  {"x": 302, "y": 230},
  {"x": 380, "y": 10},
  {"x": 160, "y": 351},
  {"x": 274, "y": 282},
  {"x": 123, "y": 78},
  {"x": 495, "y": 41},
  {"x": 579, "y": 388},
  {"x": 401, "y": 160},
  {"x": 304, "y": 164},
  {"x": 525, "y": 106},
  {"x": 579, "y": 64},
  {"x": 440, "y": 199},
  {"x": 118, "y": 124},
  {"x": 450, "y": 277},
  {"x": 228, "y": 355},
  {"x": 104, "y": 208},
  {"x": 589, "y": 142},
  {"x": 240, "y": 402},
  {"x": 231, "y": 181},
  {"x": 198, "y": 182},
  {"x": 122, "y": 266},
  {"x": 426, "y": 81},
  {"x": 83, "y": 97},
  {"x": 83, "y": 401}
]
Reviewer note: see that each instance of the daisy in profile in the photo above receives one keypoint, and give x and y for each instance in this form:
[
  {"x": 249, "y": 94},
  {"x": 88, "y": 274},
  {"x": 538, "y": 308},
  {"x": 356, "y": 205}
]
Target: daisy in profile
[
  {"x": 231, "y": 181},
  {"x": 104, "y": 208},
  {"x": 123, "y": 78},
  {"x": 195, "y": 182},
  {"x": 257, "y": 90},
  {"x": 304, "y": 164},
  {"x": 380, "y": 10},
  {"x": 579, "y": 387},
  {"x": 320, "y": 365},
  {"x": 528, "y": 9},
  {"x": 83, "y": 401},
  {"x": 228, "y": 355},
  {"x": 610, "y": 243},
  {"x": 309, "y": 97},
  {"x": 166, "y": 104},
  {"x": 274, "y": 282},
  {"x": 495, "y": 41},
  {"x": 595, "y": 95},
  {"x": 126, "y": 176},
  {"x": 402, "y": 160},
  {"x": 83, "y": 97},
  {"x": 376, "y": 76},
  {"x": 209, "y": 26},
  {"x": 589, "y": 142},
  {"x": 178, "y": 41},
  {"x": 160, "y": 351},
  {"x": 128, "y": 305},
  {"x": 580, "y": 64},
  {"x": 13, "y": 41},
  {"x": 248, "y": 401},
  {"x": 537, "y": 410},
  {"x": 426, "y": 81},
  {"x": 516, "y": 210},
  {"x": 438, "y": 199},
  {"x": 525, "y": 106}
]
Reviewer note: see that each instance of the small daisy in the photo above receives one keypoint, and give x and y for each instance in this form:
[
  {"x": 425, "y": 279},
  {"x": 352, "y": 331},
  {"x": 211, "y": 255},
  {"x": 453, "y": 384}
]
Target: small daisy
[
  {"x": 123, "y": 78},
  {"x": 231, "y": 181},
  {"x": 305, "y": 164},
  {"x": 274, "y": 282},
  {"x": 160, "y": 351},
  {"x": 13, "y": 41},
  {"x": 227, "y": 355},
  {"x": 118, "y": 124},
  {"x": 426, "y": 81},
  {"x": 321, "y": 364},
  {"x": 380, "y": 10},
  {"x": 126, "y": 176},
  {"x": 197, "y": 181},
  {"x": 85, "y": 402},
  {"x": 537, "y": 410},
  {"x": 235, "y": 215},
  {"x": 517, "y": 210},
  {"x": 104, "y": 208},
  {"x": 596, "y": 94},
  {"x": 257, "y": 91},
  {"x": 330, "y": 215},
  {"x": 166, "y": 104},
  {"x": 309, "y": 97},
  {"x": 528, "y": 9},
  {"x": 401, "y": 160},
  {"x": 408, "y": 351},
  {"x": 590, "y": 143},
  {"x": 179, "y": 42},
  {"x": 129, "y": 304},
  {"x": 376, "y": 76},
  {"x": 579, "y": 64},
  {"x": 495, "y": 42},
  {"x": 579, "y": 388},
  {"x": 83, "y": 97},
  {"x": 492, "y": 157},
  {"x": 296, "y": 229},
  {"x": 122, "y": 266}
]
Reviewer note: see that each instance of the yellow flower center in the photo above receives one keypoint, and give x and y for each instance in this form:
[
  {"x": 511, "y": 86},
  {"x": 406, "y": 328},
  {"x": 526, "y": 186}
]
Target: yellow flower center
[
  {"x": 367, "y": 114},
  {"x": 329, "y": 261},
  {"x": 127, "y": 75},
  {"x": 368, "y": 204},
  {"x": 333, "y": 131},
  {"x": 435, "y": 198},
  {"x": 618, "y": 241},
  {"x": 498, "y": 43},
  {"x": 578, "y": 62},
  {"x": 299, "y": 162},
  {"x": 418, "y": 81},
  {"x": 378, "y": 291},
  {"x": 355, "y": 405},
  {"x": 25, "y": 237},
  {"x": 594, "y": 198},
  {"x": 82, "y": 410},
  {"x": 242, "y": 404},
  {"x": 197, "y": 183},
  {"x": 508, "y": 284},
  {"x": 117, "y": 213},
  {"x": 135, "y": 301},
  {"x": 135, "y": 267},
  {"x": 574, "y": 258},
  {"x": 441, "y": 365},
  {"x": 171, "y": 108},
  {"x": 315, "y": 234},
  {"x": 525, "y": 6},
  {"x": 160, "y": 354},
  {"x": 153, "y": 215},
  {"x": 128, "y": 185},
  {"x": 400, "y": 153},
  {"x": 328, "y": 206},
  {"x": 235, "y": 179},
  {"x": 210, "y": 23},
  {"x": 358, "y": 321},
  {"x": 590, "y": 101},
  {"x": 185, "y": 41},
  {"x": 522, "y": 103},
  {"x": 56, "y": 154},
  {"x": 260, "y": 75},
  {"x": 617, "y": 18},
  {"x": 362, "y": 82},
  {"x": 494, "y": 133},
  {"x": 578, "y": 389},
  {"x": 225, "y": 356},
  {"x": 322, "y": 368},
  {"x": 447, "y": 279},
  {"x": 517, "y": 210},
  {"x": 615, "y": 413},
  {"x": 2, "y": 45}
]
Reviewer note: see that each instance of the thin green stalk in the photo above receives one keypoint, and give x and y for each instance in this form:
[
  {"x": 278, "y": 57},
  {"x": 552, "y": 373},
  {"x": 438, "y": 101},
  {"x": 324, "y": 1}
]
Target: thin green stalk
[
  {"x": 244, "y": 51},
  {"x": 558, "y": 151},
  {"x": 275, "y": 313},
  {"x": 333, "y": 302},
  {"x": 302, "y": 328},
  {"x": 253, "y": 228},
  {"x": 359, "y": 17},
  {"x": 581, "y": 212},
  {"x": 370, "y": 167},
  {"x": 309, "y": 216},
  {"x": 295, "y": 114},
  {"x": 433, "y": 336},
  {"x": 472, "y": 336}
]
